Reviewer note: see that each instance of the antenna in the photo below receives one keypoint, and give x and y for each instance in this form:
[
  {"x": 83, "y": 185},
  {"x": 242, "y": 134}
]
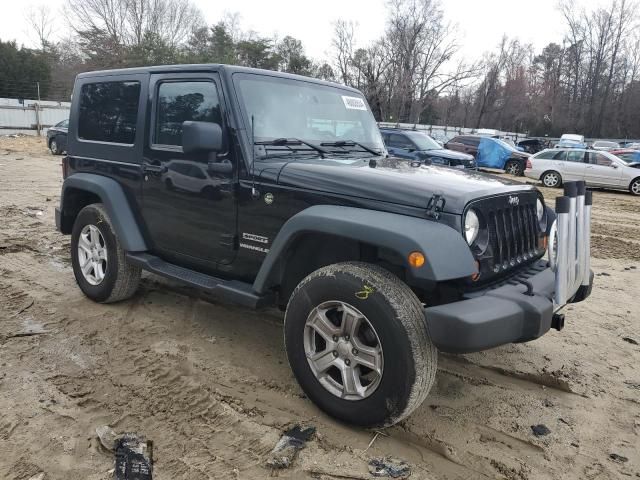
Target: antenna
[{"x": 254, "y": 192}]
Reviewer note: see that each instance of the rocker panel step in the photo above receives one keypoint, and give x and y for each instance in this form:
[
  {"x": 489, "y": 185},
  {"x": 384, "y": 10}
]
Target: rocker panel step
[{"x": 229, "y": 290}]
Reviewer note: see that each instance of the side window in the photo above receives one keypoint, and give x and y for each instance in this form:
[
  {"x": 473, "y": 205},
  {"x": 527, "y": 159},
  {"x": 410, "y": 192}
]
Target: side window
[
  {"x": 399, "y": 141},
  {"x": 599, "y": 159},
  {"x": 575, "y": 156},
  {"x": 561, "y": 155},
  {"x": 472, "y": 142},
  {"x": 181, "y": 101},
  {"x": 109, "y": 112},
  {"x": 548, "y": 155}
]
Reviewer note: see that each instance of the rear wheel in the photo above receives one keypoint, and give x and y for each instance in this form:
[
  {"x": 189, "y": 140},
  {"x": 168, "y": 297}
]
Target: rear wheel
[
  {"x": 99, "y": 262},
  {"x": 551, "y": 179},
  {"x": 634, "y": 188},
  {"x": 513, "y": 167},
  {"x": 358, "y": 344}
]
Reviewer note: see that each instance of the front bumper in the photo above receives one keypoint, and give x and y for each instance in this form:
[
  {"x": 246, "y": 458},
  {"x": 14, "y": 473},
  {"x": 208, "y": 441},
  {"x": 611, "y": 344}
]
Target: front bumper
[
  {"x": 498, "y": 316},
  {"x": 524, "y": 309}
]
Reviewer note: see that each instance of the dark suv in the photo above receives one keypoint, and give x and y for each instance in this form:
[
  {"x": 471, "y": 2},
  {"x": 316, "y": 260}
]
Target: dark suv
[
  {"x": 377, "y": 261},
  {"x": 419, "y": 146},
  {"x": 490, "y": 152}
]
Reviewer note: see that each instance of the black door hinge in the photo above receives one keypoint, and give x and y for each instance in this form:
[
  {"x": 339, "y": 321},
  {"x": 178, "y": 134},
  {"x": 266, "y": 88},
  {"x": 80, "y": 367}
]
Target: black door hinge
[
  {"x": 435, "y": 206},
  {"x": 229, "y": 240}
]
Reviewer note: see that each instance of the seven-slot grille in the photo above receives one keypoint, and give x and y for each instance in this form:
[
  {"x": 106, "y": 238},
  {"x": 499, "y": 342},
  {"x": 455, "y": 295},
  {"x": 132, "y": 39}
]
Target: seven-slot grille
[{"x": 513, "y": 235}]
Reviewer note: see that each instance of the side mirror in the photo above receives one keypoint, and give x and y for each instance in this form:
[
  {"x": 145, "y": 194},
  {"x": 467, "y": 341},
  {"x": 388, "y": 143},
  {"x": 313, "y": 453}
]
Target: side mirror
[
  {"x": 201, "y": 137},
  {"x": 614, "y": 165}
]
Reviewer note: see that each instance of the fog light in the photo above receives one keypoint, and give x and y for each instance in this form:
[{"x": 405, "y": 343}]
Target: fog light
[{"x": 416, "y": 259}]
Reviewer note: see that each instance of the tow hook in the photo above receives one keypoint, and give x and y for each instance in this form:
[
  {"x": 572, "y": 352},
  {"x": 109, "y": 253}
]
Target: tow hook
[{"x": 557, "y": 321}]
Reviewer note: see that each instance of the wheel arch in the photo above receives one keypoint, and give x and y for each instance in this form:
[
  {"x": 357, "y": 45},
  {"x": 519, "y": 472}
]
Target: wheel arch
[
  {"x": 349, "y": 233},
  {"x": 82, "y": 189},
  {"x": 633, "y": 180}
]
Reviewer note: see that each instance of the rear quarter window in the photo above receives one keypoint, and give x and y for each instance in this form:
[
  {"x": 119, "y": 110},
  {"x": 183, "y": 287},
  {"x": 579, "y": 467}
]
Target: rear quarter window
[{"x": 108, "y": 112}]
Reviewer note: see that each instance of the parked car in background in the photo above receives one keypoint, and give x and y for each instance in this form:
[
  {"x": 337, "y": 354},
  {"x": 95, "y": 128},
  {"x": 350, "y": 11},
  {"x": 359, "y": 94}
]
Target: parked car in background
[
  {"x": 596, "y": 168},
  {"x": 572, "y": 137},
  {"x": 490, "y": 152},
  {"x": 57, "y": 137},
  {"x": 631, "y": 145},
  {"x": 420, "y": 146},
  {"x": 627, "y": 155},
  {"x": 568, "y": 143},
  {"x": 605, "y": 145},
  {"x": 532, "y": 145}
]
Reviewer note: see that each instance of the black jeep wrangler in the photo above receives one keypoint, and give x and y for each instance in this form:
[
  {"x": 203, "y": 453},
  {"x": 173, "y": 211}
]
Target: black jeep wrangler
[{"x": 269, "y": 189}]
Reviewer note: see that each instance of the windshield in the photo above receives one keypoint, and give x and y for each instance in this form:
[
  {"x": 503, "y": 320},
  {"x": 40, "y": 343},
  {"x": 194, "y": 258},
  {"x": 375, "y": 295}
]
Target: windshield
[
  {"x": 422, "y": 141},
  {"x": 295, "y": 109}
]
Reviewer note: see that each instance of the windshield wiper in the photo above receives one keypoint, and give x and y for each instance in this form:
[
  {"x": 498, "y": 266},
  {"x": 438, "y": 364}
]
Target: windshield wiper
[
  {"x": 288, "y": 142},
  {"x": 350, "y": 143}
]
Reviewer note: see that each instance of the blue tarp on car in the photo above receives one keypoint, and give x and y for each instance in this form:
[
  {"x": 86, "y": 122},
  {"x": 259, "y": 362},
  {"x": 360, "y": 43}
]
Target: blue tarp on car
[{"x": 492, "y": 153}]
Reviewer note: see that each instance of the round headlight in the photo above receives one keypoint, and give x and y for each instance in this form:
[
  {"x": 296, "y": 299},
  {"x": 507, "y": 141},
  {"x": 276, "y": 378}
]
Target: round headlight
[
  {"x": 539, "y": 210},
  {"x": 471, "y": 226}
]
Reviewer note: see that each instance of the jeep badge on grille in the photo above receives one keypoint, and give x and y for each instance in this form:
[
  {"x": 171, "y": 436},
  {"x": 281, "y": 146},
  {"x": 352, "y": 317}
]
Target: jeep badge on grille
[{"x": 514, "y": 201}]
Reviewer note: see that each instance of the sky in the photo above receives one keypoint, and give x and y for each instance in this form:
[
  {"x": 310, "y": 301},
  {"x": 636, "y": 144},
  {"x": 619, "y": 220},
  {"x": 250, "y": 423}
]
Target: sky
[{"x": 481, "y": 23}]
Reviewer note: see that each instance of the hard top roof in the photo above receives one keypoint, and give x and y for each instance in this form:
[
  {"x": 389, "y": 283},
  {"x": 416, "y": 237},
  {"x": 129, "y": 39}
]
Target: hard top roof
[{"x": 207, "y": 67}]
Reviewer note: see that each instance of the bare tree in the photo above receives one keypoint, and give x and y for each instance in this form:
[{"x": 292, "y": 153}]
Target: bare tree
[
  {"x": 129, "y": 22},
  {"x": 41, "y": 21},
  {"x": 343, "y": 45}
]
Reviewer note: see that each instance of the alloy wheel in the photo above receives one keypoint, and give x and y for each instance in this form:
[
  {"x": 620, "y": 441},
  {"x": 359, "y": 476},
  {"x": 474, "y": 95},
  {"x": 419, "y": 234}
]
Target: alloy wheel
[
  {"x": 551, "y": 180},
  {"x": 343, "y": 350},
  {"x": 92, "y": 254}
]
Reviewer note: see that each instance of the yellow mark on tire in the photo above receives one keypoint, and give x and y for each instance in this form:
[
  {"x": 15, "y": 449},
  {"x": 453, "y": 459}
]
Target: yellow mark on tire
[{"x": 365, "y": 292}]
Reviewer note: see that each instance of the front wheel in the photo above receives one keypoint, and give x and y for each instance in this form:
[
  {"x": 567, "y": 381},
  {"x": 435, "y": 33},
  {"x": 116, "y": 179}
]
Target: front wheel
[
  {"x": 358, "y": 344},
  {"x": 99, "y": 262},
  {"x": 634, "y": 188},
  {"x": 54, "y": 147}
]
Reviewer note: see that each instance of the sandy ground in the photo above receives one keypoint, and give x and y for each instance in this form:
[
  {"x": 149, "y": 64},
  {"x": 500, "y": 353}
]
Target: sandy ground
[{"x": 210, "y": 386}]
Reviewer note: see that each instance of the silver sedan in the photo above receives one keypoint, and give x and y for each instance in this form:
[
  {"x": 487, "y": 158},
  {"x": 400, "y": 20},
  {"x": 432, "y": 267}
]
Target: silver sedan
[{"x": 597, "y": 168}]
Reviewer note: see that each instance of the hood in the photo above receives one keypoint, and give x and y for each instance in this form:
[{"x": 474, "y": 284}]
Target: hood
[
  {"x": 395, "y": 181},
  {"x": 450, "y": 154}
]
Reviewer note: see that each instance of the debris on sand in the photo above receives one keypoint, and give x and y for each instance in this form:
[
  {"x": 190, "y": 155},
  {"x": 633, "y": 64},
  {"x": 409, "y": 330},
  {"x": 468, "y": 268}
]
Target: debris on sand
[
  {"x": 389, "y": 467},
  {"x": 630, "y": 340},
  {"x": 618, "y": 458},
  {"x": 134, "y": 459},
  {"x": 286, "y": 450},
  {"x": 540, "y": 430}
]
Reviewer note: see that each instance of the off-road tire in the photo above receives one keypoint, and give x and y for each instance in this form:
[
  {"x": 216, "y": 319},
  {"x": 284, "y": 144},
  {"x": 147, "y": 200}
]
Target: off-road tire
[
  {"x": 121, "y": 278},
  {"x": 410, "y": 358},
  {"x": 634, "y": 187},
  {"x": 514, "y": 167},
  {"x": 546, "y": 177}
]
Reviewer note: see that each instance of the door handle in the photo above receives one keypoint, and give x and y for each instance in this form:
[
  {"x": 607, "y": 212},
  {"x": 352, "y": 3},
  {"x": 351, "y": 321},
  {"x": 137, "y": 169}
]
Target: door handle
[{"x": 153, "y": 168}]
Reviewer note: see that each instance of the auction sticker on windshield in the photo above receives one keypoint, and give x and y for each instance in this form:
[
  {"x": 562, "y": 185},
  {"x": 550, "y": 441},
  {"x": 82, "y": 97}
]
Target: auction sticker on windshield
[{"x": 354, "y": 103}]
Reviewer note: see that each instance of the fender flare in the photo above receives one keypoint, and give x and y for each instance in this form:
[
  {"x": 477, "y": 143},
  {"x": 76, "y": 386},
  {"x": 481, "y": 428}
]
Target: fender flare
[
  {"x": 115, "y": 202},
  {"x": 447, "y": 254}
]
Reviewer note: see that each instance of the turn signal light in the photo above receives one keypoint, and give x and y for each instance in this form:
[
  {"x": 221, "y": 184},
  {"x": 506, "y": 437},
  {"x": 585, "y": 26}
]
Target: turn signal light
[
  {"x": 416, "y": 259},
  {"x": 476, "y": 276},
  {"x": 543, "y": 243}
]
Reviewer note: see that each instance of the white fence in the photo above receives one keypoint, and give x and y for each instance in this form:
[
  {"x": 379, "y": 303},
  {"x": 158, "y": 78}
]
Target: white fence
[{"x": 31, "y": 116}]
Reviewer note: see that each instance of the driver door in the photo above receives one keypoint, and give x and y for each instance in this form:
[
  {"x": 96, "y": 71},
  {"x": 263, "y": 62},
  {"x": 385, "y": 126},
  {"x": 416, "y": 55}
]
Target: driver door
[{"x": 189, "y": 210}]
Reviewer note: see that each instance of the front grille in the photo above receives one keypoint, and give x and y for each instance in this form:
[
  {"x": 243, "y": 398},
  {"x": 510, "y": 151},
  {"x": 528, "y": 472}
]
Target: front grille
[
  {"x": 513, "y": 233},
  {"x": 513, "y": 236}
]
